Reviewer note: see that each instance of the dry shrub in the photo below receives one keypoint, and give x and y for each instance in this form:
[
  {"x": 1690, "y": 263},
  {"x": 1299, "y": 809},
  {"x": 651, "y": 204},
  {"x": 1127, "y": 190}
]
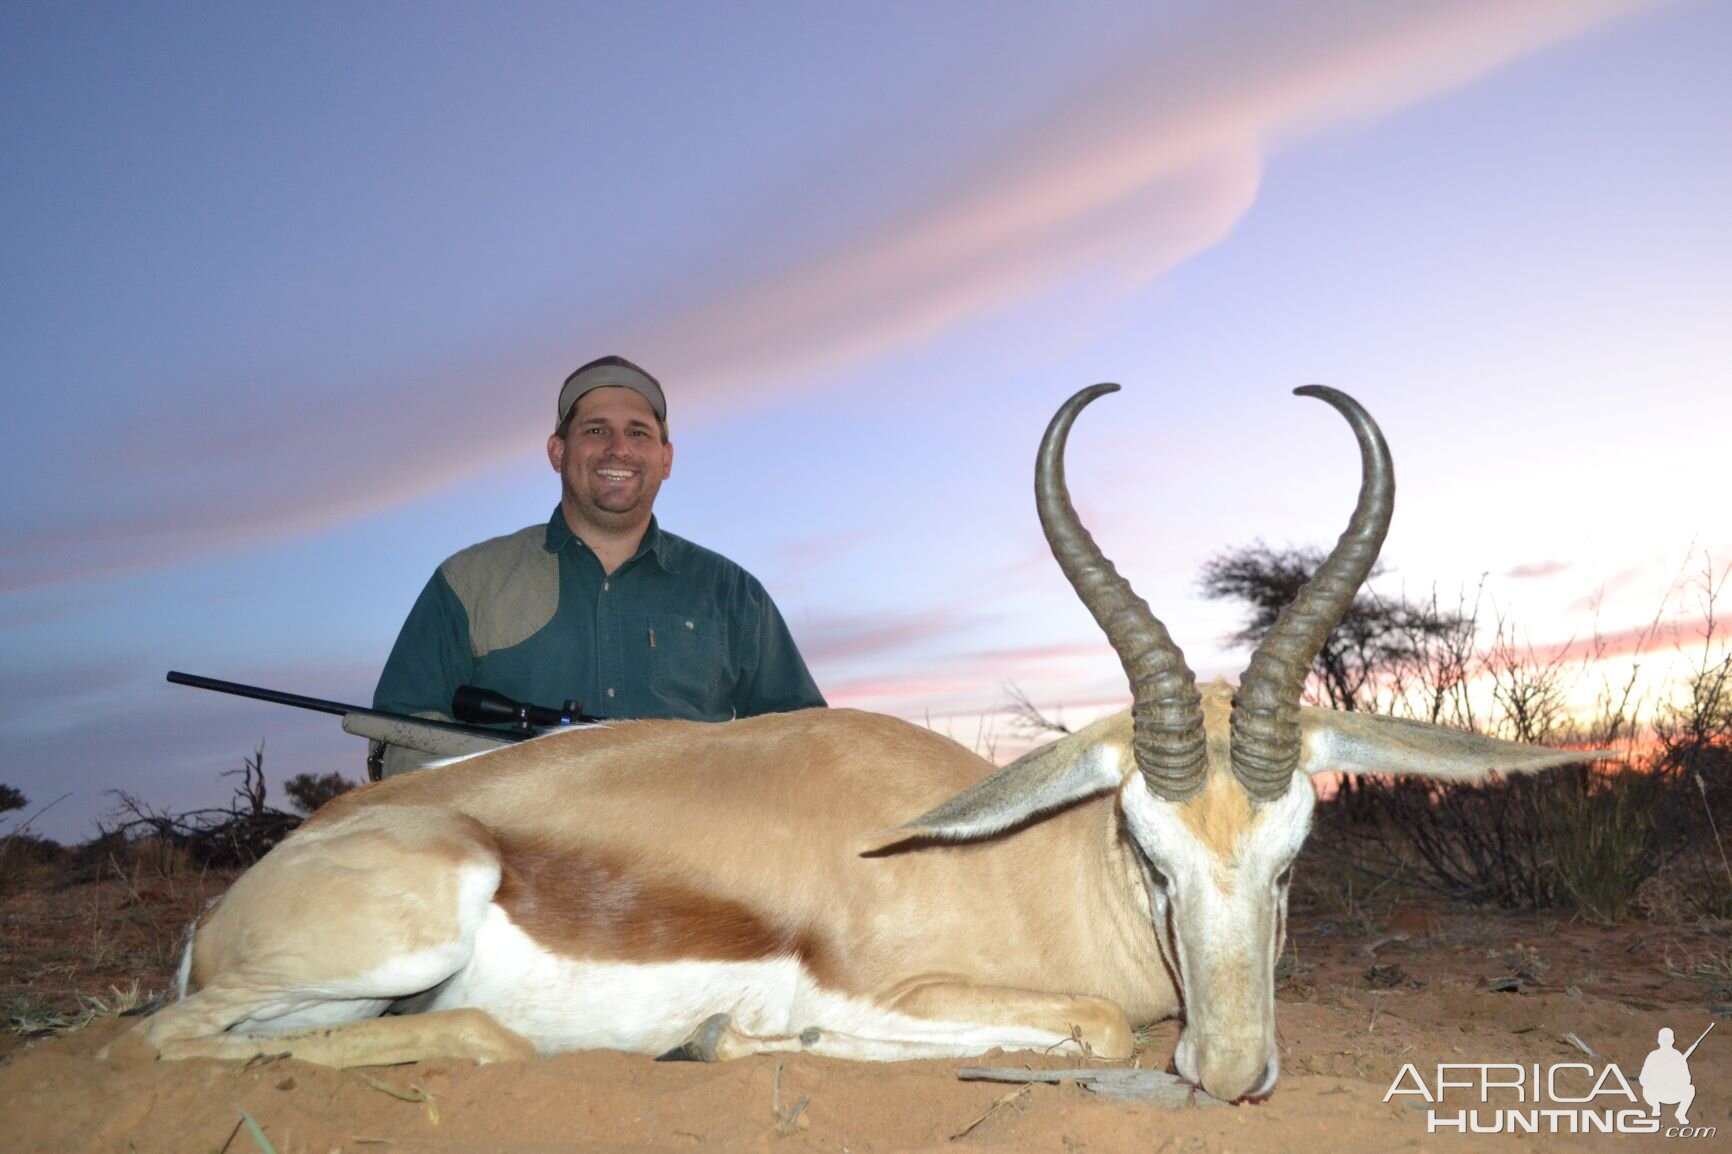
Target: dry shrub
[
  {"x": 1665, "y": 898},
  {"x": 22, "y": 854},
  {"x": 1577, "y": 837},
  {"x": 21, "y": 851},
  {"x": 308, "y": 791},
  {"x": 232, "y": 837},
  {"x": 1580, "y": 838},
  {"x": 154, "y": 854},
  {"x": 1604, "y": 833}
]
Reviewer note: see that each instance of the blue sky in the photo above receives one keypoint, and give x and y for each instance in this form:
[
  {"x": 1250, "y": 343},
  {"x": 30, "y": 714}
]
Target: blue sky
[{"x": 290, "y": 291}]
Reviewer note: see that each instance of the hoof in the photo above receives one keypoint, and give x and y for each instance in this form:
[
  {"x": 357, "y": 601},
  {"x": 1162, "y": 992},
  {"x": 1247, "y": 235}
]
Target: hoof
[{"x": 701, "y": 1045}]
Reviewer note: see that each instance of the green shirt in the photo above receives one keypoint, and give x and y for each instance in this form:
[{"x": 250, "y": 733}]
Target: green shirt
[{"x": 676, "y": 631}]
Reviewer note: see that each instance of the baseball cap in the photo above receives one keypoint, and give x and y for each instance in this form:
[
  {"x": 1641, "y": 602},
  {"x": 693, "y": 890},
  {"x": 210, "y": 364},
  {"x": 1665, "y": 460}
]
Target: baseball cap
[{"x": 616, "y": 372}]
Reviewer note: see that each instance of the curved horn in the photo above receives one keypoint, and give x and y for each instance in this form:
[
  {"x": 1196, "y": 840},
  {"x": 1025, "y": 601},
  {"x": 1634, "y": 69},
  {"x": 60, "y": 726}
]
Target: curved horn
[
  {"x": 1167, "y": 712},
  {"x": 1266, "y": 708}
]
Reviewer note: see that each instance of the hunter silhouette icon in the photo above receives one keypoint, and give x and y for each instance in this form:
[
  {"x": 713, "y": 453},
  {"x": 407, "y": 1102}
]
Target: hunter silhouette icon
[{"x": 1665, "y": 1076}]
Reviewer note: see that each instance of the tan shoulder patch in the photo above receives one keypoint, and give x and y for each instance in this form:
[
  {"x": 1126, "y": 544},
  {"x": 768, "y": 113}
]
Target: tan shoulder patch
[{"x": 509, "y": 587}]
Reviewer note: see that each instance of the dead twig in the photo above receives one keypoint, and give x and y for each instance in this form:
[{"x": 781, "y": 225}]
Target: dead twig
[
  {"x": 415, "y": 1095},
  {"x": 1370, "y": 949},
  {"x": 1009, "y": 1099},
  {"x": 1076, "y": 1038},
  {"x": 788, "y": 1119},
  {"x": 1155, "y": 1086}
]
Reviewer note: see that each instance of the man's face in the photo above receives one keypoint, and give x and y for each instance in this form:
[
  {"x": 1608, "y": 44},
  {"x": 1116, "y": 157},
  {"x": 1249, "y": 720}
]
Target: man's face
[{"x": 612, "y": 459}]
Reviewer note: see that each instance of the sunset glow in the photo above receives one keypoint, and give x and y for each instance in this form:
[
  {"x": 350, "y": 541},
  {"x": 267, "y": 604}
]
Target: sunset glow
[{"x": 290, "y": 293}]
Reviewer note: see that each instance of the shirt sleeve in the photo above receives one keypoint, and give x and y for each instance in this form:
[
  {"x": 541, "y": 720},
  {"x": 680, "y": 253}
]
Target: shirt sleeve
[
  {"x": 432, "y": 656},
  {"x": 773, "y": 677}
]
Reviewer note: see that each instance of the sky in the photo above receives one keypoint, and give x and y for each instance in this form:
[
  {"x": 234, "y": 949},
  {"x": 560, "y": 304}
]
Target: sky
[{"x": 289, "y": 291}]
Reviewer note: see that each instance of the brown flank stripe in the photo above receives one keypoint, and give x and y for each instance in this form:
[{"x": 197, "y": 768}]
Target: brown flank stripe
[{"x": 586, "y": 905}]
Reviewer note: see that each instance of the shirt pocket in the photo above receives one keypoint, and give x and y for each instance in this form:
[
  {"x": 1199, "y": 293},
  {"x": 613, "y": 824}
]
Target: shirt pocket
[{"x": 689, "y": 664}]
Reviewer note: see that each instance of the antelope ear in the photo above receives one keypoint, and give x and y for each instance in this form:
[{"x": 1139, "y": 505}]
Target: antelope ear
[
  {"x": 1336, "y": 742},
  {"x": 1069, "y": 770}
]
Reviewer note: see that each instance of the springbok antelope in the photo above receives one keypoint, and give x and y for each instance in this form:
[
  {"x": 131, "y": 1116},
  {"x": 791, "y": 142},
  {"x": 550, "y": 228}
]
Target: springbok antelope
[{"x": 711, "y": 891}]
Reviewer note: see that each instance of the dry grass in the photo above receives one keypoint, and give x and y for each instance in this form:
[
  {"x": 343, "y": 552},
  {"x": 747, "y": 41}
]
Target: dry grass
[
  {"x": 72, "y": 951},
  {"x": 1709, "y": 964},
  {"x": 36, "y": 1016}
]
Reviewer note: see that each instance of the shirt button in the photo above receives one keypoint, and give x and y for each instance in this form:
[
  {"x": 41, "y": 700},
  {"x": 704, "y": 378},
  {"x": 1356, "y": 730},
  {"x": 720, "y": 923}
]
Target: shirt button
[
  {"x": 610, "y": 692},
  {"x": 689, "y": 625},
  {"x": 605, "y": 586}
]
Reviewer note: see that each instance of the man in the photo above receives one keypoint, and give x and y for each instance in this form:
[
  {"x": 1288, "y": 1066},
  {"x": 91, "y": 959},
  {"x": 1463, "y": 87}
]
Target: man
[{"x": 600, "y": 604}]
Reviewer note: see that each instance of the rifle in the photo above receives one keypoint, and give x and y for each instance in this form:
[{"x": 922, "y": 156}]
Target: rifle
[
  {"x": 471, "y": 704},
  {"x": 1698, "y": 1041}
]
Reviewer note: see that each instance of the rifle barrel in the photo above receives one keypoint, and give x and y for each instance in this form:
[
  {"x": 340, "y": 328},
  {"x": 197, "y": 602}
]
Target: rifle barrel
[{"x": 318, "y": 704}]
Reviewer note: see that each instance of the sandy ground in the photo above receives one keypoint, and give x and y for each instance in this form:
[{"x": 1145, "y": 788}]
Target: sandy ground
[{"x": 1361, "y": 995}]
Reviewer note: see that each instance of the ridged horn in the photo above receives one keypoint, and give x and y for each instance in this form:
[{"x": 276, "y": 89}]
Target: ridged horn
[
  {"x": 1167, "y": 712},
  {"x": 1266, "y": 708}
]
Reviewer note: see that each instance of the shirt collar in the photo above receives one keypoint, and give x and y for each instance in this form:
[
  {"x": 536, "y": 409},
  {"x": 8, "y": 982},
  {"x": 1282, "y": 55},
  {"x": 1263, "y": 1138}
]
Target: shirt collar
[{"x": 655, "y": 543}]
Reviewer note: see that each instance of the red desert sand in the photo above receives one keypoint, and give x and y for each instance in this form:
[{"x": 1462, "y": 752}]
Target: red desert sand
[{"x": 1362, "y": 995}]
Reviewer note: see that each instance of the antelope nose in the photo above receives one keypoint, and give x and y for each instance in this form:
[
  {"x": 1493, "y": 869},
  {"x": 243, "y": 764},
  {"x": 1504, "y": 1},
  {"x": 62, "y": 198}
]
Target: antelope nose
[
  {"x": 1232, "y": 1081},
  {"x": 1271, "y": 1071}
]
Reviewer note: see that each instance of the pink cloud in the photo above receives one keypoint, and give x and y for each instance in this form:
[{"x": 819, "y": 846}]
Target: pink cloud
[
  {"x": 1663, "y": 637},
  {"x": 1630, "y": 577},
  {"x": 1042, "y": 653},
  {"x": 1538, "y": 569},
  {"x": 230, "y": 475},
  {"x": 836, "y": 639},
  {"x": 1140, "y": 168},
  {"x": 813, "y": 551},
  {"x": 872, "y": 692},
  {"x": 166, "y": 743},
  {"x": 1059, "y": 676},
  {"x": 1659, "y": 638}
]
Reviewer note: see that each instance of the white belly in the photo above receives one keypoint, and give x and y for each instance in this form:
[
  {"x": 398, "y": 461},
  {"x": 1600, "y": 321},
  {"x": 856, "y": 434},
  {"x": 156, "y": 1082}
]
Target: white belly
[{"x": 563, "y": 1003}]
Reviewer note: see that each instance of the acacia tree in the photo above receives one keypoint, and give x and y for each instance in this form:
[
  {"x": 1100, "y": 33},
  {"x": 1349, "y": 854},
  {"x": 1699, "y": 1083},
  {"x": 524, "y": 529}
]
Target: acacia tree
[
  {"x": 1385, "y": 655},
  {"x": 308, "y": 791}
]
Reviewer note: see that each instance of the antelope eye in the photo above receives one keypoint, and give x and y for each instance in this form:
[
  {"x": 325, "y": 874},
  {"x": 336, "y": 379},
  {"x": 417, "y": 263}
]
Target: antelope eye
[
  {"x": 1156, "y": 876},
  {"x": 1284, "y": 877}
]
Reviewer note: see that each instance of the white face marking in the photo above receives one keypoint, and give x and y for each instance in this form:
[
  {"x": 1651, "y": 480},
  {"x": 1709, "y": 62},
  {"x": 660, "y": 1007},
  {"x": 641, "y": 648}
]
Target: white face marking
[{"x": 1218, "y": 916}]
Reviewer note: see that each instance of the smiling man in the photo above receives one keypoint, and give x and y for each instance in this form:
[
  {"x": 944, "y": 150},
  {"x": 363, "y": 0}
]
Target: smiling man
[{"x": 600, "y": 604}]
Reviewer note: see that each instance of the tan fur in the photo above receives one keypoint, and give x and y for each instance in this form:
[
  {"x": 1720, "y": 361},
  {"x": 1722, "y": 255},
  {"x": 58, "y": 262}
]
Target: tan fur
[
  {"x": 662, "y": 841},
  {"x": 338, "y": 876},
  {"x": 1099, "y": 1026},
  {"x": 666, "y": 840},
  {"x": 805, "y": 786},
  {"x": 1222, "y": 814}
]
